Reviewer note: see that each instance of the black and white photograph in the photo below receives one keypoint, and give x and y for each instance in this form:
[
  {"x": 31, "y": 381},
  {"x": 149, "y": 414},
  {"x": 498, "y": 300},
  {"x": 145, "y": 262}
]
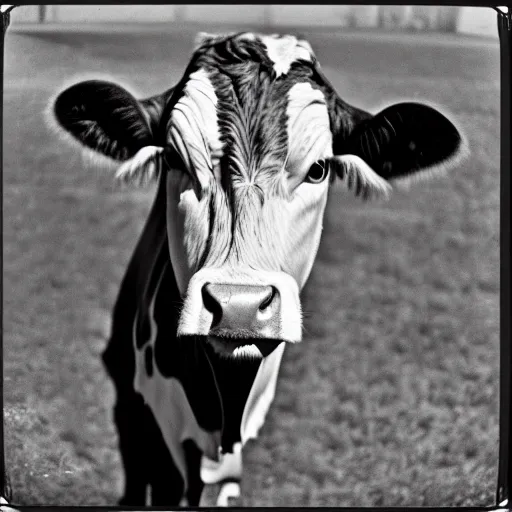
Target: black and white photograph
[{"x": 251, "y": 255}]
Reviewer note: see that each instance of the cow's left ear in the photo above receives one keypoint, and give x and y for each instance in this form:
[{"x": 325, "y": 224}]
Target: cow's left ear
[{"x": 401, "y": 141}]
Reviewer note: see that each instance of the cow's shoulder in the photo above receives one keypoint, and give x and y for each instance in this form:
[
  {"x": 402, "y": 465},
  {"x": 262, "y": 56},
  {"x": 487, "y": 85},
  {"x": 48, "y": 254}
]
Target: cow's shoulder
[{"x": 147, "y": 261}]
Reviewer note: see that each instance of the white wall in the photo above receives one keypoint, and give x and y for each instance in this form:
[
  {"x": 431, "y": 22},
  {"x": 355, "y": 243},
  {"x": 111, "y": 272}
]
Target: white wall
[{"x": 478, "y": 20}]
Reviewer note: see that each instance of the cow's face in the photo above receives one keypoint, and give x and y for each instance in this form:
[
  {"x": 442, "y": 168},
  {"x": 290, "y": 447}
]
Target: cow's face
[
  {"x": 248, "y": 142},
  {"x": 245, "y": 207}
]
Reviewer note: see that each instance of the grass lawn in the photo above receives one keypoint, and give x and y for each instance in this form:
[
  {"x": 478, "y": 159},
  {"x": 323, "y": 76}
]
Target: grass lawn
[{"x": 392, "y": 398}]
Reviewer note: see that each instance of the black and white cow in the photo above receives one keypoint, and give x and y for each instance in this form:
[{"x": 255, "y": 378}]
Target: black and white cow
[{"x": 244, "y": 148}]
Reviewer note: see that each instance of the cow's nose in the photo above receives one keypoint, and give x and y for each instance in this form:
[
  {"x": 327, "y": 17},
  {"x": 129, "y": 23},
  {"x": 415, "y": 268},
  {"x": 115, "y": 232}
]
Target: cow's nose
[{"x": 243, "y": 309}]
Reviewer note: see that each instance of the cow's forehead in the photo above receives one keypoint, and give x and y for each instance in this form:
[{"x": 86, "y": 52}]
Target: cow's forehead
[{"x": 239, "y": 106}]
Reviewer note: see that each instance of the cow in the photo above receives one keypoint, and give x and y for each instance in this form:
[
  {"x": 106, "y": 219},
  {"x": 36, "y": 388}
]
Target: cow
[{"x": 243, "y": 150}]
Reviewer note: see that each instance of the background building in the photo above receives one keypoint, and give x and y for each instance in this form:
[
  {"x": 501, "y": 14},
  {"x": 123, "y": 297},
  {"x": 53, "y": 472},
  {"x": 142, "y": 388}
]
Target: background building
[{"x": 471, "y": 20}]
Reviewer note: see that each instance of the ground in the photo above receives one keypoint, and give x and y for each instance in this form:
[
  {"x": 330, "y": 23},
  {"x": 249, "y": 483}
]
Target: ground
[{"x": 391, "y": 399}]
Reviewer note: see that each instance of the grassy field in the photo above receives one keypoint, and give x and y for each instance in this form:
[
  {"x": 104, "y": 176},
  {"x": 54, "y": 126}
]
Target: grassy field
[{"x": 392, "y": 398}]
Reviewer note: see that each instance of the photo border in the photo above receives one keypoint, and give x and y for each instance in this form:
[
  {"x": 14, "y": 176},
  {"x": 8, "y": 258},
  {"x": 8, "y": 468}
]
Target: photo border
[
  {"x": 504, "y": 32},
  {"x": 504, "y": 22}
]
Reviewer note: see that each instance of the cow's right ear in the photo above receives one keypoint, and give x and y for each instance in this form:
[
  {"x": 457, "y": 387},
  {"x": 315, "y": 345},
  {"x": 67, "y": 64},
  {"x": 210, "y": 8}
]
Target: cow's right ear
[
  {"x": 108, "y": 120},
  {"x": 103, "y": 117}
]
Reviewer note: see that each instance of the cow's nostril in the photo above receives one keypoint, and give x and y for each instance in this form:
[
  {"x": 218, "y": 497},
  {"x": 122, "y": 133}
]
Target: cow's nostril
[
  {"x": 268, "y": 299},
  {"x": 237, "y": 308},
  {"x": 211, "y": 304}
]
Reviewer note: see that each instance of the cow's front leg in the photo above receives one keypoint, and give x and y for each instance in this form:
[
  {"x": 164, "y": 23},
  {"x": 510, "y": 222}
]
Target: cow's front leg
[
  {"x": 145, "y": 457},
  {"x": 129, "y": 419},
  {"x": 223, "y": 477},
  {"x": 167, "y": 485},
  {"x": 222, "y": 494}
]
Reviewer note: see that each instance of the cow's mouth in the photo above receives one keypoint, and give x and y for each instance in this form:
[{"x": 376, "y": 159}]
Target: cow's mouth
[{"x": 238, "y": 344}]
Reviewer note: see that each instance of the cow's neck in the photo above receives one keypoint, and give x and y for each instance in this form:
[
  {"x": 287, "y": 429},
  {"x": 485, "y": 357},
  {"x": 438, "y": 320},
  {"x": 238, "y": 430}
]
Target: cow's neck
[{"x": 234, "y": 379}]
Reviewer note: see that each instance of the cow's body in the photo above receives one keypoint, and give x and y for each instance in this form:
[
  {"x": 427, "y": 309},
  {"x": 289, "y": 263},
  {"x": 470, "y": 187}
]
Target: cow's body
[{"x": 244, "y": 148}]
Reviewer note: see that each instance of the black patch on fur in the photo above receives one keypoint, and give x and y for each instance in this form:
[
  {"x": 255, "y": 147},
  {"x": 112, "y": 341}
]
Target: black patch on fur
[
  {"x": 184, "y": 358},
  {"x": 403, "y": 139},
  {"x": 105, "y": 117},
  {"x": 251, "y": 105},
  {"x": 119, "y": 357},
  {"x": 231, "y": 50},
  {"x": 159, "y": 258},
  {"x": 235, "y": 378},
  {"x": 193, "y": 457}
]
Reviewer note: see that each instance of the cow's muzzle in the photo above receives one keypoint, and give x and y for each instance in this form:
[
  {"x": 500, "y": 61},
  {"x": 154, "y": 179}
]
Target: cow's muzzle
[
  {"x": 239, "y": 310},
  {"x": 236, "y": 311},
  {"x": 242, "y": 316}
]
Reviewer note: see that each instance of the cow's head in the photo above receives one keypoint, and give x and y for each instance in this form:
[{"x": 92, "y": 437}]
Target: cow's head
[{"x": 248, "y": 142}]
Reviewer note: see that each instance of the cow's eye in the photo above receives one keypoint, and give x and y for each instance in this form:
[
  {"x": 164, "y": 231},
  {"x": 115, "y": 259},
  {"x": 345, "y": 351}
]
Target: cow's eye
[{"x": 317, "y": 172}]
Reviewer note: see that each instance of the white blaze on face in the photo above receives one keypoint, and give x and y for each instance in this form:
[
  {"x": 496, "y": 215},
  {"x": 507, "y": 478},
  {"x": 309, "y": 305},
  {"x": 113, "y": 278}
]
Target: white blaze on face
[
  {"x": 285, "y": 50},
  {"x": 194, "y": 132},
  {"x": 193, "y": 128},
  {"x": 309, "y": 140},
  {"x": 187, "y": 226}
]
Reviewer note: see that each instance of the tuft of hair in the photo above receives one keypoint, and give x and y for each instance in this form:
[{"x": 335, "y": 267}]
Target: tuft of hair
[
  {"x": 206, "y": 38},
  {"x": 142, "y": 168},
  {"x": 359, "y": 177}
]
